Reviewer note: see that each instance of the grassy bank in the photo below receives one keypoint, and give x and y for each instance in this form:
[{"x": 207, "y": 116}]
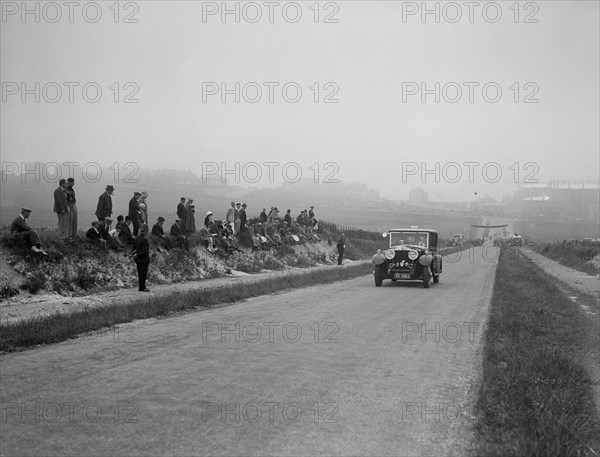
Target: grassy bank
[
  {"x": 536, "y": 397},
  {"x": 60, "y": 327},
  {"x": 582, "y": 256}
]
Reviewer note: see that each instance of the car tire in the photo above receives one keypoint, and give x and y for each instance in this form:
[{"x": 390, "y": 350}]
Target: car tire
[
  {"x": 426, "y": 277},
  {"x": 378, "y": 276}
]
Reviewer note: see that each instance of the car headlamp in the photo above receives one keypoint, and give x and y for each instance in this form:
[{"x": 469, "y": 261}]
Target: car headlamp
[
  {"x": 389, "y": 254},
  {"x": 412, "y": 254}
]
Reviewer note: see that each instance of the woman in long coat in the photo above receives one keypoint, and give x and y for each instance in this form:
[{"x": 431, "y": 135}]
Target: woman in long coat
[{"x": 188, "y": 224}]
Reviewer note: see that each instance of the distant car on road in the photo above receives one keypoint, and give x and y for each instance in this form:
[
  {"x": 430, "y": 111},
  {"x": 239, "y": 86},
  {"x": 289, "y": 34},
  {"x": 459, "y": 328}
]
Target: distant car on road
[{"x": 412, "y": 256}]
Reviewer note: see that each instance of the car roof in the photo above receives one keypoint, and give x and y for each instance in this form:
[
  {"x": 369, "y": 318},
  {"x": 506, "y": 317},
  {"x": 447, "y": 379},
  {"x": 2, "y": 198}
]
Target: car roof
[{"x": 412, "y": 230}]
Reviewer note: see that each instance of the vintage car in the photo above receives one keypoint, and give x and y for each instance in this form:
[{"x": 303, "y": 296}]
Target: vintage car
[
  {"x": 517, "y": 240},
  {"x": 412, "y": 256}
]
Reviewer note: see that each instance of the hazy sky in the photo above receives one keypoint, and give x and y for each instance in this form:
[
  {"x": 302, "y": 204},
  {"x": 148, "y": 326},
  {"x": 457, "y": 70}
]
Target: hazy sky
[{"x": 368, "y": 57}]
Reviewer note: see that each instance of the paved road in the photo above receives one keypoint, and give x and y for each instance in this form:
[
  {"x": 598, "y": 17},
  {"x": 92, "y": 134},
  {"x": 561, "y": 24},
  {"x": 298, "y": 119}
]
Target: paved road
[{"x": 370, "y": 381}]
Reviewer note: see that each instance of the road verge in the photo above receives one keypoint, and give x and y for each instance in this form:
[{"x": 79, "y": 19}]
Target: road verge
[{"x": 536, "y": 397}]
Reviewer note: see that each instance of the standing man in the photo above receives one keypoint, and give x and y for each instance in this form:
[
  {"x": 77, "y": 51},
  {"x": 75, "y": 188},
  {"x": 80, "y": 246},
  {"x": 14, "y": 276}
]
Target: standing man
[
  {"x": 243, "y": 217},
  {"x": 340, "y": 247},
  {"x": 104, "y": 208},
  {"x": 141, "y": 252},
  {"x": 311, "y": 213},
  {"x": 61, "y": 208},
  {"x": 230, "y": 215},
  {"x": 181, "y": 208},
  {"x": 263, "y": 216},
  {"x": 236, "y": 224},
  {"x": 288, "y": 217},
  {"x": 144, "y": 207},
  {"x": 72, "y": 203},
  {"x": 134, "y": 212}
]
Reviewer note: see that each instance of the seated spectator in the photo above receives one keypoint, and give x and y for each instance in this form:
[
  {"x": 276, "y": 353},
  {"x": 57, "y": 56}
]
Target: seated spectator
[
  {"x": 125, "y": 235},
  {"x": 93, "y": 235},
  {"x": 178, "y": 239},
  {"x": 158, "y": 234},
  {"x": 206, "y": 239},
  {"x": 22, "y": 231},
  {"x": 208, "y": 219}
]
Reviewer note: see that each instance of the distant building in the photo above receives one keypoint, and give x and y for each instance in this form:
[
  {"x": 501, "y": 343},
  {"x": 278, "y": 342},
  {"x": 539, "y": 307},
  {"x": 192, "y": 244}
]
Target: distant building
[
  {"x": 558, "y": 200},
  {"x": 418, "y": 196}
]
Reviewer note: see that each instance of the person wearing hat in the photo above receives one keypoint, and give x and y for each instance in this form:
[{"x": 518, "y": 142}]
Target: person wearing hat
[
  {"x": 134, "y": 212},
  {"x": 61, "y": 208},
  {"x": 274, "y": 216},
  {"x": 158, "y": 233},
  {"x": 236, "y": 225},
  {"x": 21, "y": 230},
  {"x": 141, "y": 256},
  {"x": 178, "y": 239},
  {"x": 72, "y": 202},
  {"x": 311, "y": 213},
  {"x": 104, "y": 207},
  {"x": 230, "y": 215}
]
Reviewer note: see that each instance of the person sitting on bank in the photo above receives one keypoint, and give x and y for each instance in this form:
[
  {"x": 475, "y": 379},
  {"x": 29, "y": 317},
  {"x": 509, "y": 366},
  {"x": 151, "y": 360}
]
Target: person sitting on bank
[
  {"x": 178, "y": 239},
  {"x": 21, "y": 230},
  {"x": 94, "y": 236},
  {"x": 125, "y": 235},
  {"x": 158, "y": 233}
]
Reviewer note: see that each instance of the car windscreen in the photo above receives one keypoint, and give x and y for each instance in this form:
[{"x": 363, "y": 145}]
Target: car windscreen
[{"x": 409, "y": 238}]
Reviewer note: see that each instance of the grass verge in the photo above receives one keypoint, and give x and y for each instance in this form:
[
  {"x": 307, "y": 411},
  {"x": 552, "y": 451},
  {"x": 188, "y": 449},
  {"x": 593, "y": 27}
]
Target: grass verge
[
  {"x": 59, "y": 327},
  {"x": 536, "y": 398}
]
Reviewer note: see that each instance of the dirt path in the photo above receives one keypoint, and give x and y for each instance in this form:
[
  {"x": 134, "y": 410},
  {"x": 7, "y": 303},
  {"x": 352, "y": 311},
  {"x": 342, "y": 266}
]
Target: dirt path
[{"x": 26, "y": 307}]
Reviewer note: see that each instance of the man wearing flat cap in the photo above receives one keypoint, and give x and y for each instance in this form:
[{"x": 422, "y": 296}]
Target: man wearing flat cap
[
  {"x": 21, "y": 230},
  {"x": 104, "y": 208},
  {"x": 176, "y": 235}
]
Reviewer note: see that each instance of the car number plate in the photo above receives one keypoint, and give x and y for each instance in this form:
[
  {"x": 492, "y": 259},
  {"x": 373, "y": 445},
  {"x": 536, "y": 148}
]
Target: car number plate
[{"x": 402, "y": 275}]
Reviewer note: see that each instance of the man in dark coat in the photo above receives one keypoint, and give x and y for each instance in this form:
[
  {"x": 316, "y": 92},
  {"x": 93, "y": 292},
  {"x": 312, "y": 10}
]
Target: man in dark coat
[
  {"x": 341, "y": 245},
  {"x": 61, "y": 208},
  {"x": 158, "y": 233},
  {"x": 178, "y": 239},
  {"x": 93, "y": 235},
  {"x": 263, "y": 216},
  {"x": 243, "y": 217},
  {"x": 134, "y": 212},
  {"x": 104, "y": 208},
  {"x": 288, "y": 217},
  {"x": 124, "y": 232},
  {"x": 21, "y": 230},
  {"x": 181, "y": 208},
  {"x": 311, "y": 213},
  {"x": 141, "y": 252}
]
